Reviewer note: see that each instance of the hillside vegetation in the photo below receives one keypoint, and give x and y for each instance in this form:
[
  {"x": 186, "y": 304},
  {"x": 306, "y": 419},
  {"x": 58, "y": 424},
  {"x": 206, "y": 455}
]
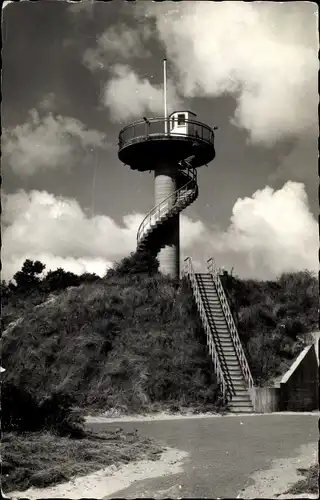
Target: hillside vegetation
[
  {"x": 274, "y": 319},
  {"x": 129, "y": 341},
  {"x": 133, "y": 340}
]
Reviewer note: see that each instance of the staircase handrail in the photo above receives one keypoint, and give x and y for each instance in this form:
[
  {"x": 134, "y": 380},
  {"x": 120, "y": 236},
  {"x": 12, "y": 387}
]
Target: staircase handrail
[
  {"x": 191, "y": 174},
  {"x": 188, "y": 272},
  {"x": 232, "y": 327},
  {"x": 223, "y": 363}
]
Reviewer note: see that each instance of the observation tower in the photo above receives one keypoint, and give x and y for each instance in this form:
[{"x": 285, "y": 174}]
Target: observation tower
[{"x": 173, "y": 147}]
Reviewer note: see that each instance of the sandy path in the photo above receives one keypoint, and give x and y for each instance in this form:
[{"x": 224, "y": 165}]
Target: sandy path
[
  {"x": 101, "y": 419},
  {"x": 273, "y": 482}
]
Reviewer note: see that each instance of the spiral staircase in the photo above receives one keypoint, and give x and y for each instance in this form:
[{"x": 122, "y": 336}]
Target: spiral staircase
[{"x": 152, "y": 231}]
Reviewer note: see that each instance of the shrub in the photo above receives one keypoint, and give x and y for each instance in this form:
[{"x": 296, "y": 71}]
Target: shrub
[
  {"x": 22, "y": 412},
  {"x": 142, "y": 262}
]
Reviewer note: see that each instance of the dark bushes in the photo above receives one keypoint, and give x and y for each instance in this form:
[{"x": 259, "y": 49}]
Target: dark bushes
[{"x": 22, "y": 412}]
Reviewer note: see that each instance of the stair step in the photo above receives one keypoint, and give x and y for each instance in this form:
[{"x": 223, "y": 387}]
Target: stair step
[
  {"x": 241, "y": 392},
  {"x": 219, "y": 325},
  {"x": 244, "y": 397},
  {"x": 223, "y": 330},
  {"x": 241, "y": 410},
  {"x": 218, "y": 321},
  {"x": 222, "y": 335},
  {"x": 216, "y": 313},
  {"x": 240, "y": 403},
  {"x": 239, "y": 382}
]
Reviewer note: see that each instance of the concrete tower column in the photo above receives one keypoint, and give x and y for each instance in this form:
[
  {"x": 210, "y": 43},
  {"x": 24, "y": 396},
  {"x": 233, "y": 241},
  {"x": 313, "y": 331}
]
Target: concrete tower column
[{"x": 165, "y": 185}]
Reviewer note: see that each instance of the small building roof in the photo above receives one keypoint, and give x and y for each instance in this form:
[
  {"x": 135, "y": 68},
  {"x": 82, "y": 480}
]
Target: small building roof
[{"x": 183, "y": 111}]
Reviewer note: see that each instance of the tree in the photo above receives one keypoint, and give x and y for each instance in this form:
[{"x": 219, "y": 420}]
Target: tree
[
  {"x": 59, "y": 280},
  {"x": 28, "y": 279}
]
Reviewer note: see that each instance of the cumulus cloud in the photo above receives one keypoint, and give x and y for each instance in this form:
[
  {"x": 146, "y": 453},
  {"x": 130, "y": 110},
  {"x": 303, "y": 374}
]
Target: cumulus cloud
[
  {"x": 48, "y": 142},
  {"x": 55, "y": 230},
  {"x": 262, "y": 53},
  {"x": 269, "y": 233},
  {"x": 274, "y": 231},
  {"x": 127, "y": 95},
  {"x": 116, "y": 42}
]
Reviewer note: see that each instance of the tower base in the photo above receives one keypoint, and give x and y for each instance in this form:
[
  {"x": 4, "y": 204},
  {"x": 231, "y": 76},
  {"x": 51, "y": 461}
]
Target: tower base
[
  {"x": 169, "y": 255},
  {"x": 165, "y": 186}
]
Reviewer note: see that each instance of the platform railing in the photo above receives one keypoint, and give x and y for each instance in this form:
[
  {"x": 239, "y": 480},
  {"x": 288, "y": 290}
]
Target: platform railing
[
  {"x": 213, "y": 270},
  {"x": 156, "y": 127},
  {"x": 188, "y": 273}
]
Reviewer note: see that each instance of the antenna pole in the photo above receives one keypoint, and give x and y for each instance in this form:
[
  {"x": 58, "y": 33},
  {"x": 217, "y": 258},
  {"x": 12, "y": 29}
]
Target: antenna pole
[{"x": 165, "y": 95}]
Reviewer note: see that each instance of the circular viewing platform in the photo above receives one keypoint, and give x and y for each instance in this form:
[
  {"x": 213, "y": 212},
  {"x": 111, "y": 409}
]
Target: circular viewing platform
[{"x": 145, "y": 141}]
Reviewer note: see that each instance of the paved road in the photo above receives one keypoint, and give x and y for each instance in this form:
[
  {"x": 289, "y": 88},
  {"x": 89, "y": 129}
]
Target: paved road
[{"x": 223, "y": 452}]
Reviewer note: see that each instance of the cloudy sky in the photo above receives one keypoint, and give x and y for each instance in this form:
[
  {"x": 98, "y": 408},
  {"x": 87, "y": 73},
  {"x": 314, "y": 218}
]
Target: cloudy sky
[{"x": 75, "y": 74}]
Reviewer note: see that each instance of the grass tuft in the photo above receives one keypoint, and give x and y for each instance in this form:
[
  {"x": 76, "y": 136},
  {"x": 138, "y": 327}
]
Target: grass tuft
[{"x": 310, "y": 482}]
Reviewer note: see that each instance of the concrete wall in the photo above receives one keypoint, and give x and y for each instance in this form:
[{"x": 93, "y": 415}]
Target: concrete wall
[
  {"x": 299, "y": 388},
  {"x": 265, "y": 399}
]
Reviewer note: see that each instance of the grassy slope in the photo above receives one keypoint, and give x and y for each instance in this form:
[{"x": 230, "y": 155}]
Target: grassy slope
[
  {"x": 43, "y": 459},
  {"x": 133, "y": 343},
  {"x": 128, "y": 343}
]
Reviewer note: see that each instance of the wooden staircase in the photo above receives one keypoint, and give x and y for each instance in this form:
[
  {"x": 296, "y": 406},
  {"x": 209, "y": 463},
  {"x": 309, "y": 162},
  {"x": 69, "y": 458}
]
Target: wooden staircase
[{"x": 224, "y": 344}]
